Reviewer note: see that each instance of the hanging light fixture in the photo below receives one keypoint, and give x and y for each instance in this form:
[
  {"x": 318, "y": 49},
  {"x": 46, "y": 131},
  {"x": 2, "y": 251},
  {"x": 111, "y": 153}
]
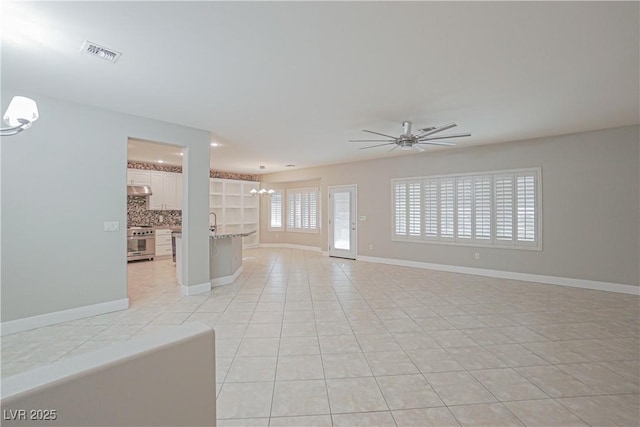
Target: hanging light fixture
[
  {"x": 20, "y": 115},
  {"x": 262, "y": 191}
]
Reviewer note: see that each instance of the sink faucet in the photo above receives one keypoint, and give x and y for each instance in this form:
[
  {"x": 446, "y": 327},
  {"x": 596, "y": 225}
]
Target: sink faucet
[{"x": 213, "y": 227}]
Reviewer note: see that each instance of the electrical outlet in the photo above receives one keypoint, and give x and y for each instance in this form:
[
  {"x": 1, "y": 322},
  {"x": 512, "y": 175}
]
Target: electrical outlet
[
  {"x": 477, "y": 255},
  {"x": 371, "y": 247},
  {"x": 362, "y": 218},
  {"x": 111, "y": 226}
]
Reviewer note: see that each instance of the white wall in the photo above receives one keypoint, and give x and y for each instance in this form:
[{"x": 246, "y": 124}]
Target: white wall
[
  {"x": 61, "y": 180},
  {"x": 590, "y": 205}
]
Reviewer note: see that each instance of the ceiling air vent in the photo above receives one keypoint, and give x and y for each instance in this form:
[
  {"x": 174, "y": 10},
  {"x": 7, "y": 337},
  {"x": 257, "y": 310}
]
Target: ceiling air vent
[{"x": 94, "y": 49}]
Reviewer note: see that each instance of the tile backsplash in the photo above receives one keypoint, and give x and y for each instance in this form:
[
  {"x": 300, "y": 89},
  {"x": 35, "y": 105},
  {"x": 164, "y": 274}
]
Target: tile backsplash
[
  {"x": 178, "y": 169},
  {"x": 138, "y": 214}
]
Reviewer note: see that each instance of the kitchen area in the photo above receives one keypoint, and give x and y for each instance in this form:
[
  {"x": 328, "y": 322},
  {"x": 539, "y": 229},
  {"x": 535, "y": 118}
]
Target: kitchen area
[{"x": 154, "y": 216}]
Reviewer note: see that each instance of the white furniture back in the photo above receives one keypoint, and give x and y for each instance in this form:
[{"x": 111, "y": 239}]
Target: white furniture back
[{"x": 161, "y": 379}]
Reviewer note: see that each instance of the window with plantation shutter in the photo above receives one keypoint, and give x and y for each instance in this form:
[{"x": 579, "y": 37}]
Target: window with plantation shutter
[
  {"x": 482, "y": 206},
  {"x": 499, "y": 208},
  {"x": 504, "y": 207},
  {"x": 430, "y": 208},
  {"x": 526, "y": 207},
  {"x": 275, "y": 211},
  {"x": 414, "y": 209},
  {"x": 463, "y": 206},
  {"x": 446, "y": 207},
  {"x": 400, "y": 208},
  {"x": 302, "y": 210}
]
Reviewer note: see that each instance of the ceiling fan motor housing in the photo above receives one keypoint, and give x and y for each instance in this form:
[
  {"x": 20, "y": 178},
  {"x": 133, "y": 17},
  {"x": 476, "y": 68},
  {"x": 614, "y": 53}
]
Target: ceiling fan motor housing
[
  {"x": 406, "y": 141},
  {"x": 407, "y": 128}
]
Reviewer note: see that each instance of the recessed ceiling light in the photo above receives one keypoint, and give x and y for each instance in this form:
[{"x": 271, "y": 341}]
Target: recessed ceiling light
[
  {"x": 160, "y": 161},
  {"x": 182, "y": 154},
  {"x": 215, "y": 144}
]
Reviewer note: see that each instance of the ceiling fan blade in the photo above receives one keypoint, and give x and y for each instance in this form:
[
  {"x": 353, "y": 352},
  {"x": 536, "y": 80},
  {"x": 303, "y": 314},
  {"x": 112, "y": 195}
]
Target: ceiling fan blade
[
  {"x": 453, "y": 135},
  {"x": 448, "y": 144},
  {"x": 438, "y": 129},
  {"x": 379, "y": 145},
  {"x": 371, "y": 140},
  {"x": 378, "y": 133},
  {"x": 417, "y": 147}
]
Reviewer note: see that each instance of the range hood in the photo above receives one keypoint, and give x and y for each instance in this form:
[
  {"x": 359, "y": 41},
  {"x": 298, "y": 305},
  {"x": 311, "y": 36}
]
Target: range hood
[{"x": 138, "y": 190}]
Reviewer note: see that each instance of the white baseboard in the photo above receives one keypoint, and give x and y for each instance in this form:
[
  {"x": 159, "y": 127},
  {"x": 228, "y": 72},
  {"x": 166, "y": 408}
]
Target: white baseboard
[
  {"x": 195, "y": 289},
  {"x": 290, "y": 246},
  {"x": 225, "y": 280},
  {"x": 527, "y": 277},
  {"x": 27, "y": 323}
]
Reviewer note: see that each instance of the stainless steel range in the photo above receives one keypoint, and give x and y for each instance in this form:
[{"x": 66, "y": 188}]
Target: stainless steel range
[{"x": 141, "y": 243}]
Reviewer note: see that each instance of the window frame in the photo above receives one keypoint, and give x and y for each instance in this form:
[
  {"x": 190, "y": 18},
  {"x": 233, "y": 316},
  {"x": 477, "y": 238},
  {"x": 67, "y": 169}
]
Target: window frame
[
  {"x": 302, "y": 192},
  {"x": 474, "y": 240}
]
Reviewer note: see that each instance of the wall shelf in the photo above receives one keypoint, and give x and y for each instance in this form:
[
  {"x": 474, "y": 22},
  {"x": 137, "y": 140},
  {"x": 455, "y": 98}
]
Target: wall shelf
[{"x": 235, "y": 207}]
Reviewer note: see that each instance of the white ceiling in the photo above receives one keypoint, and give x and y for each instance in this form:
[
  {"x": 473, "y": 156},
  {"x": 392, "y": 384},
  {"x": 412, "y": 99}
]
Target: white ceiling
[
  {"x": 149, "y": 152},
  {"x": 290, "y": 82}
]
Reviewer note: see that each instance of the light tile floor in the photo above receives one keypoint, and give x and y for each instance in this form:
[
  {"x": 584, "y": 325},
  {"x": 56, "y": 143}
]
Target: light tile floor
[{"x": 306, "y": 340}]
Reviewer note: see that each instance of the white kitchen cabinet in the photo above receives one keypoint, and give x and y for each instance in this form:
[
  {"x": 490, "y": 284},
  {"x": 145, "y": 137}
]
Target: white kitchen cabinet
[
  {"x": 138, "y": 177},
  {"x": 164, "y": 188},
  {"x": 236, "y": 208},
  {"x": 163, "y": 243}
]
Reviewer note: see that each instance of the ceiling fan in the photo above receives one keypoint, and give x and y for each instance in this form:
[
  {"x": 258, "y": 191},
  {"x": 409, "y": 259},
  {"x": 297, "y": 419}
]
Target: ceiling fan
[{"x": 407, "y": 141}]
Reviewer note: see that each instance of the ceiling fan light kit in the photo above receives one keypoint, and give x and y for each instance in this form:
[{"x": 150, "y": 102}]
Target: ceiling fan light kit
[
  {"x": 20, "y": 115},
  {"x": 408, "y": 140}
]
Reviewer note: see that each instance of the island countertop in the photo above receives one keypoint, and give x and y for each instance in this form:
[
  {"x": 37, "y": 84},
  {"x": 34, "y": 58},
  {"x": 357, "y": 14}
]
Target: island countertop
[{"x": 221, "y": 234}]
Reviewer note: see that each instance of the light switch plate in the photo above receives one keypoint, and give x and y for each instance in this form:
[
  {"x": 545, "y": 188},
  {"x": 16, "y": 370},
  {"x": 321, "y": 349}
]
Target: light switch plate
[
  {"x": 111, "y": 226},
  {"x": 363, "y": 218}
]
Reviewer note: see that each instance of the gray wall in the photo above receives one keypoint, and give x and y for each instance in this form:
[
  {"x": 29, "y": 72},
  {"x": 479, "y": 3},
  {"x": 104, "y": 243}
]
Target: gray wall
[
  {"x": 61, "y": 180},
  {"x": 590, "y": 204}
]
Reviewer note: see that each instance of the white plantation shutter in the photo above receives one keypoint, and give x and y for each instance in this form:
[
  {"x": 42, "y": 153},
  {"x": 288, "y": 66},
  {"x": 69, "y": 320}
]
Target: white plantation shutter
[
  {"x": 400, "y": 204},
  {"x": 482, "y": 200},
  {"x": 446, "y": 207},
  {"x": 494, "y": 209},
  {"x": 526, "y": 211},
  {"x": 464, "y": 202},
  {"x": 313, "y": 209},
  {"x": 414, "y": 208},
  {"x": 302, "y": 210},
  {"x": 504, "y": 207},
  {"x": 430, "y": 204},
  {"x": 275, "y": 211},
  {"x": 290, "y": 209}
]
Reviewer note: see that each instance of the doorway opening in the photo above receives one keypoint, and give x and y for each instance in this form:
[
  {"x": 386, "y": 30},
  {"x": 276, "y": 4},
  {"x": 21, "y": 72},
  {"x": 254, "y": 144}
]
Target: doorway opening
[{"x": 154, "y": 212}]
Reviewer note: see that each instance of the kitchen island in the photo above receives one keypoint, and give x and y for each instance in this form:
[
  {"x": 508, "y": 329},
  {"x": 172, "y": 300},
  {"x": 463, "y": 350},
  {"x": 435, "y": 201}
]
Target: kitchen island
[{"x": 225, "y": 253}]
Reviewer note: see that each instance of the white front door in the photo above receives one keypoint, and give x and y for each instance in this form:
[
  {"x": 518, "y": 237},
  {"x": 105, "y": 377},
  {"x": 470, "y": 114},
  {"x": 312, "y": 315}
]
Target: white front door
[{"x": 342, "y": 221}]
